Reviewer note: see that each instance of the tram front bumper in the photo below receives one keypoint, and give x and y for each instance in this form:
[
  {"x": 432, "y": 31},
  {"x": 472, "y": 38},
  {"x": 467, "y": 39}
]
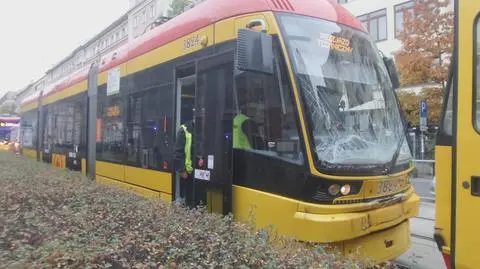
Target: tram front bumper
[{"x": 327, "y": 228}]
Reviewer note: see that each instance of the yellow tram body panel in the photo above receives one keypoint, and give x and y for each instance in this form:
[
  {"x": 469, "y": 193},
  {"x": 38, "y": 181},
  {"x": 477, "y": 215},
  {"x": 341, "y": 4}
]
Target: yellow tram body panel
[
  {"x": 143, "y": 181},
  {"x": 443, "y": 187},
  {"x": 456, "y": 152},
  {"x": 147, "y": 193},
  {"x": 319, "y": 225}
]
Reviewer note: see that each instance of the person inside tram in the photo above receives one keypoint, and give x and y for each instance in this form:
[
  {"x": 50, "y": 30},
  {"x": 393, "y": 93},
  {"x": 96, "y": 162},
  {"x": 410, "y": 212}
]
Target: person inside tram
[
  {"x": 245, "y": 130},
  {"x": 183, "y": 158}
]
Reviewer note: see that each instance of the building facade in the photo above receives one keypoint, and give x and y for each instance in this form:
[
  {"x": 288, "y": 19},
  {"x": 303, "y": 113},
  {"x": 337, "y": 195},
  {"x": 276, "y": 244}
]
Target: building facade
[
  {"x": 383, "y": 19},
  {"x": 142, "y": 16},
  {"x": 107, "y": 40}
]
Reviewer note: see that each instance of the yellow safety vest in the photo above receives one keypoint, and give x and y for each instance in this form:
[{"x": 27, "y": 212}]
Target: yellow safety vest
[
  {"x": 188, "y": 150},
  {"x": 240, "y": 140}
]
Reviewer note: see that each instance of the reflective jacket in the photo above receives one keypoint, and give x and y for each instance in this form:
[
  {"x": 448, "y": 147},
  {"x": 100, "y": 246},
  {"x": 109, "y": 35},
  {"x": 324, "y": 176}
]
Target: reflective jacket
[
  {"x": 240, "y": 138},
  {"x": 184, "y": 148}
]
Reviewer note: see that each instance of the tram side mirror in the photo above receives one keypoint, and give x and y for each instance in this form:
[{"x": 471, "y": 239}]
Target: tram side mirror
[
  {"x": 254, "y": 52},
  {"x": 392, "y": 72}
]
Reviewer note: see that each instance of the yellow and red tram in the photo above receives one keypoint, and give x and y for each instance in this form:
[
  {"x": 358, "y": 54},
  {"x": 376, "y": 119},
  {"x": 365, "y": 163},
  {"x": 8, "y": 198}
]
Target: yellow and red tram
[{"x": 328, "y": 159}]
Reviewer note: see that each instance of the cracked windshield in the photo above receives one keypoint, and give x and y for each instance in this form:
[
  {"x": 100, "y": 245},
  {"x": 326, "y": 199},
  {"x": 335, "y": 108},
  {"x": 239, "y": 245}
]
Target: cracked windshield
[{"x": 350, "y": 105}]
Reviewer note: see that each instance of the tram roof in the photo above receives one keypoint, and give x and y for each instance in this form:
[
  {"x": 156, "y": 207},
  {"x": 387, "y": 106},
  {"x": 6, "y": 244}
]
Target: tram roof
[{"x": 202, "y": 15}]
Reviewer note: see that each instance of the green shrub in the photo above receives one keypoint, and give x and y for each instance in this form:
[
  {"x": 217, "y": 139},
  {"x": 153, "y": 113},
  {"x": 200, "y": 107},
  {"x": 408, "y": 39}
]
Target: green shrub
[{"x": 55, "y": 218}]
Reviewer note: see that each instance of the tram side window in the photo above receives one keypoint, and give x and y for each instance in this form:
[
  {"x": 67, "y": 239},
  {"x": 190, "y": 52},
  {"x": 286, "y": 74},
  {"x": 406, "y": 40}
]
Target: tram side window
[
  {"x": 48, "y": 129},
  {"x": 134, "y": 129},
  {"x": 58, "y": 125},
  {"x": 477, "y": 75},
  {"x": 448, "y": 117},
  {"x": 34, "y": 129},
  {"x": 63, "y": 115},
  {"x": 29, "y": 130},
  {"x": 110, "y": 122},
  {"x": 267, "y": 101},
  {"x": 152, "y": 131},
  {"x": 147, "y": 133},
  {"x": 77, "y": 125}
]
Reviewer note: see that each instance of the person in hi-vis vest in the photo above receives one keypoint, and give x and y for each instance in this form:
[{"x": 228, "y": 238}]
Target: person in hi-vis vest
[
  {"x": 183, "y": 160},
  {"x": 242, "y": 130}
]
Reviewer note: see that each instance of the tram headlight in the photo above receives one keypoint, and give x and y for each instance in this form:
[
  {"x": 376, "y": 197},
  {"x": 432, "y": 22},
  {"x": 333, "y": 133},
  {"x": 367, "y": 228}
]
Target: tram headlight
[
  {"x": 325, "y": 191},
  {"x": 334, "y": 189},
  {"x": 345, "y": 190}
]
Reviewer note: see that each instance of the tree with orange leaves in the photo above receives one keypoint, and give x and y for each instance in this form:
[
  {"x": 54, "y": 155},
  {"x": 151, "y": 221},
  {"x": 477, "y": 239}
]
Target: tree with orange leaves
[
  {"x": 427, "y": 43},
  {"x": 410, "y": 104},
  {"x": 434, "y": 99}
]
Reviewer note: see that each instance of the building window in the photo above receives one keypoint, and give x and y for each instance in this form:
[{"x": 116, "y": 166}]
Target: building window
[
  {"x": 376, "y": 24},
  {"x": 152, "y": 11},
  {"x": 124, "y": 31},
  {"x": 400, "y": 11},
  {"x": 342, "y": 1},
  {"x": 135, "y": 22},
  {"x": 144, "y": 16}
]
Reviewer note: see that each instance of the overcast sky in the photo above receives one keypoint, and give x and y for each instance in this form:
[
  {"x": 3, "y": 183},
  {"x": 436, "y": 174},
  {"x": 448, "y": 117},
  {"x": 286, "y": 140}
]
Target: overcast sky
[{"x": 36, "y": 34}]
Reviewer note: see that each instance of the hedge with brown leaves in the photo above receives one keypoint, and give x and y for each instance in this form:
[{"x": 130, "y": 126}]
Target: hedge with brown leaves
[{"x": 54, "y": 218}]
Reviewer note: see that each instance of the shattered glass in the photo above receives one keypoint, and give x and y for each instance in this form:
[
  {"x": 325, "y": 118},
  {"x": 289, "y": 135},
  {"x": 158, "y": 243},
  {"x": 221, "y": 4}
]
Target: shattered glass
[{"x": 352, "y": 113}]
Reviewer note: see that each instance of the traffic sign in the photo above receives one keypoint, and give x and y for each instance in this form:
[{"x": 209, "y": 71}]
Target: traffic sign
[
  {"x": 423, "y": 115},
  {"x": 423, "y": 109}
]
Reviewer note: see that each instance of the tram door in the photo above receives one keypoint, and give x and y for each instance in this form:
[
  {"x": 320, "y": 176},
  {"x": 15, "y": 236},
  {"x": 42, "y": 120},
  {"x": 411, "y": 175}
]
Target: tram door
[
  {"x": 185, "y": 107},
  {"x": 465, "y": 105},
  {"x": 213, "y": 132}
]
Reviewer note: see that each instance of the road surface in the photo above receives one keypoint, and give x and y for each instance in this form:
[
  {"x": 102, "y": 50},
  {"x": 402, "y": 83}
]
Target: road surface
[
  {"x": 424, "y": 253},
  {"x": 423, "y": 188}
]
